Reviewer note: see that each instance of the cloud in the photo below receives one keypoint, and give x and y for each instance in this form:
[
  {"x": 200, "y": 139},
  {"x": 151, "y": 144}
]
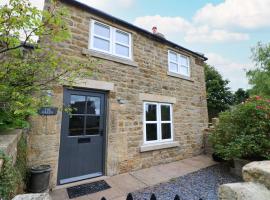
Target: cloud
[
  {"x": 207, "y": 35},
  {"x": 172, "y": 26},
  {"x": 166, "y": 25},
  {"x": 249, "y": 14},
  {"x": 233, "y": 71},
  {"x": 109, "y": 5}
]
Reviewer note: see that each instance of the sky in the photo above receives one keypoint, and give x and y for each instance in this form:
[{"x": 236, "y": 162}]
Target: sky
[{"x": 223, "y": 30}]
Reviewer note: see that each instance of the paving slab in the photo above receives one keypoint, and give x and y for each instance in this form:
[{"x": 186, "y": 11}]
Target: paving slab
[
  {"x": 150, "y": 176},
  {"x": 126, "y": 183},
  {"x": 59, "y": 194},
  {"x": 109, "y": 194},
  {"x": 123, "y": 184}
]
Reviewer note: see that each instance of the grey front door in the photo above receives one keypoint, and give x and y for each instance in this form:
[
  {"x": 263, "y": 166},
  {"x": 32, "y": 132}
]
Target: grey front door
[{"x": 82, "y": 136}]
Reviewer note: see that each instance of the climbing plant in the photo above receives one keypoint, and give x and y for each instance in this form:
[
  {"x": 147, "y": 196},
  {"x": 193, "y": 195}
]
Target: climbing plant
[{"x": 30, "y": 65}]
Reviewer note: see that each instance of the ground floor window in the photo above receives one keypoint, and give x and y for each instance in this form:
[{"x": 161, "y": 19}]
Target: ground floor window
[{"x": 157, "y": 122}]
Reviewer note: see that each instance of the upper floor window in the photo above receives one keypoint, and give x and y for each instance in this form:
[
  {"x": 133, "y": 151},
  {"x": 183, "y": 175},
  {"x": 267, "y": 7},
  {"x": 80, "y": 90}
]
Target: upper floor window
[
  {"x": 108, "y": 39},
  {"x": 178, "y": 63}
]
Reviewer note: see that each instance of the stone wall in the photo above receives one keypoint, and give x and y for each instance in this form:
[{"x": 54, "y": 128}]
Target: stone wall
[
  {"x": 256, "y": 187},
  {"x": 146, "y": 74},
  {"x": 8, "y": 143}
]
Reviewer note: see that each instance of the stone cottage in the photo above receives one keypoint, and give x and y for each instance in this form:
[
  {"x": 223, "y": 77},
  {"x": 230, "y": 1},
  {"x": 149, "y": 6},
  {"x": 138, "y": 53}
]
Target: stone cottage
[{"x": 146, "y": 106}]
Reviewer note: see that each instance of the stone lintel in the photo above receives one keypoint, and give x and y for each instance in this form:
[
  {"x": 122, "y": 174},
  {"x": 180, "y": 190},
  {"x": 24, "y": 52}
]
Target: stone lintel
[
  {"x": 93, "y": 84},
  {"x": 156, "y": 98},
  {"x": 157, "y": 146}
]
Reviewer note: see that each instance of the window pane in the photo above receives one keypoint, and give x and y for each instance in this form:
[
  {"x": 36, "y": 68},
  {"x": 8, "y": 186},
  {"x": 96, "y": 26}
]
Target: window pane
[
  {"x": 151, "y": 132},
  {"x": 151, "y": 112},
  {"x": 184, "y": 70},
  {"x": 76, "y": 124},
  {"x": 102, "y": 30},
  {"x": 122, "y": 37},
  {"x": 166, "y": 131},
  {"x": 93, "y": 105},
  {"x": 101, "y": 44},
  {"x": 173, "y": 67},
  {"x": 77, "y": 104},
  {"x": 184, "y": 61},
  {"x": 165, "y": 113},
  {"x": 92, "y": 125},
  {"x": 173, "y": 57},
  {"x": 122, "y": 50}
]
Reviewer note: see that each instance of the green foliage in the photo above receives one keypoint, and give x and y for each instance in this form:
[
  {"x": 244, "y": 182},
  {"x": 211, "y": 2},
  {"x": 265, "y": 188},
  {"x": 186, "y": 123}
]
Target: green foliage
[
  {"x": 244, "y": 131},
  {"x": 8, "y": 178},
  {"x": 240, "y": 96},
  {"x": 13, "y": 178},
  {"x": 219, "y": 97},
  {"x": 26, "y": 75},
  {"x": 21, "y": 161},
  {"x": 259, "y": 78}
]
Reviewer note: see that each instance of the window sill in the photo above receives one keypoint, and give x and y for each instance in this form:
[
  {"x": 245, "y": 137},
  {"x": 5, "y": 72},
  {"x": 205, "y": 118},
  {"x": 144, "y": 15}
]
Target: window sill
[
  {"x": 158, "y": 146},
  {"x": 179, "y": 76},
  {"x": 109, "y": 57}
]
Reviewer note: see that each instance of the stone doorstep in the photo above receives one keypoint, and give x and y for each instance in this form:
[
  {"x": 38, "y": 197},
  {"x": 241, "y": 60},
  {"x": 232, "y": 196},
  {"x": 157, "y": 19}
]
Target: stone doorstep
[
  {"x": 257, "y": 172},
  {"x": 129, "y": 182},
  {"x": 243, "y": 191}
]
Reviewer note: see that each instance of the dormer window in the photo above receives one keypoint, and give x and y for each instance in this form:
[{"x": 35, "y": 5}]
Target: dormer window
[
  {"x": 108, "y": 39},
  {"x": 178, "y": 63}
]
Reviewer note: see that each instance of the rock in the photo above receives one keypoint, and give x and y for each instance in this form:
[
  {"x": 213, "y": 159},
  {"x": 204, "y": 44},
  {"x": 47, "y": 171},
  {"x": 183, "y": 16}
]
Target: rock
[
  {"x": 243, "y": 191},
  {"x": 36, "y": 196},
  {"x": 257, "y": 172}
]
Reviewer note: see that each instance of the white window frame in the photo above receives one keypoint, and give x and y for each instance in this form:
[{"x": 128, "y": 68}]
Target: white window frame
[
  {"x": 159, "y": 122},
  {"x": 112, "y": 40},
  {"x": 179, "y": 64}
]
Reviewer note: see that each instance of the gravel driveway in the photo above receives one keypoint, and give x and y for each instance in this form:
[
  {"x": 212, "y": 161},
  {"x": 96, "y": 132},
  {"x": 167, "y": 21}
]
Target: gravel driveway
[{"x": 202, "y": 184}]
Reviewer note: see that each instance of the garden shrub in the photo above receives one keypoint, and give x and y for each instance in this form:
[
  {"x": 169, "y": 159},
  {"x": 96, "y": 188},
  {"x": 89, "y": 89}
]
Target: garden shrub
[
  {"x": 13, "y": 178},
  {"x": 244, "y": 131}
]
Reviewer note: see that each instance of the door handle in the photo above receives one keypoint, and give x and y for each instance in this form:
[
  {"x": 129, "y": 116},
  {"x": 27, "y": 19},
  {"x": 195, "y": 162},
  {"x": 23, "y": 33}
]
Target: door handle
[{"x": 84, "y": 140}]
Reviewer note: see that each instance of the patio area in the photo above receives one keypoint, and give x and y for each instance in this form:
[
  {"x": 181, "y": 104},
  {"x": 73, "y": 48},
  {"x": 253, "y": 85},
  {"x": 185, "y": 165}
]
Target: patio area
[{"x": 193, "y": 178}]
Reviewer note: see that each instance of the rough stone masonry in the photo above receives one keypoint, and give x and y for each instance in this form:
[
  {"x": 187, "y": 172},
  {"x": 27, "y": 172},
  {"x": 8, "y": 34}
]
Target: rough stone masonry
[{"x": 147, "y": 73}]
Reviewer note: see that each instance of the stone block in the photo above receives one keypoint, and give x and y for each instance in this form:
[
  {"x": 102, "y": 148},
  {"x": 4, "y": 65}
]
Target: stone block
[
  {"x": 243, "y": 191},
  {"x": 257, "y": 172},
  {"x": 38, "y": 196},
  {"x": 8, "y": 143}
]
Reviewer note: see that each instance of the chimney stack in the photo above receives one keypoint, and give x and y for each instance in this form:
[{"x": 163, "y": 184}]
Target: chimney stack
[{"x": 154, "y": 30}]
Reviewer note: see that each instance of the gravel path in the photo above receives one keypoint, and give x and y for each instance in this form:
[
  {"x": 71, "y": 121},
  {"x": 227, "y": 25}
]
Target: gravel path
[{"x": 202, "y": 184}]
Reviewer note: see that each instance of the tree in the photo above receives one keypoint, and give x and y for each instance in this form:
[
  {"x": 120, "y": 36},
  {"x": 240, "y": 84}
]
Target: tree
[
  {"x": 27, "y": 75},
  {"x": 219, "y": 96},
  {"x": 259, "y": 78},
  {"x": 240, "y": 96}
]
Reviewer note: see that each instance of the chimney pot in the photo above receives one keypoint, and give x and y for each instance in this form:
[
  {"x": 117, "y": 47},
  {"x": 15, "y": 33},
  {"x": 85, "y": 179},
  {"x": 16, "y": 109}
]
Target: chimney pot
[{"x": 154, "y": 29}]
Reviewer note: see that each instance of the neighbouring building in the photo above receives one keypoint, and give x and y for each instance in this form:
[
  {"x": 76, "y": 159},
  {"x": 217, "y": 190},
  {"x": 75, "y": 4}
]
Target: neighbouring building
[{"x": 145, "y": 106}]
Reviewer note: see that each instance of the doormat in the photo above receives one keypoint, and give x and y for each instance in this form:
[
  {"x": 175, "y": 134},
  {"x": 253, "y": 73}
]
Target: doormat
[{"x": 88, "y": 188}]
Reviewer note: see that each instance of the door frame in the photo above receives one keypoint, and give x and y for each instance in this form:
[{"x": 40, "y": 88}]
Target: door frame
[{"x": 104, "y": 144}]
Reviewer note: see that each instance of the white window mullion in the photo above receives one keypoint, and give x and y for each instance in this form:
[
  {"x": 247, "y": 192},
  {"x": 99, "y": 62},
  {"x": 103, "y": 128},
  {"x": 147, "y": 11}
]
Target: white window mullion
[
  {"x": 159, "y": 123},
  {"x": 112, "y": 40},
  {"x": 179, "y": 63}
]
